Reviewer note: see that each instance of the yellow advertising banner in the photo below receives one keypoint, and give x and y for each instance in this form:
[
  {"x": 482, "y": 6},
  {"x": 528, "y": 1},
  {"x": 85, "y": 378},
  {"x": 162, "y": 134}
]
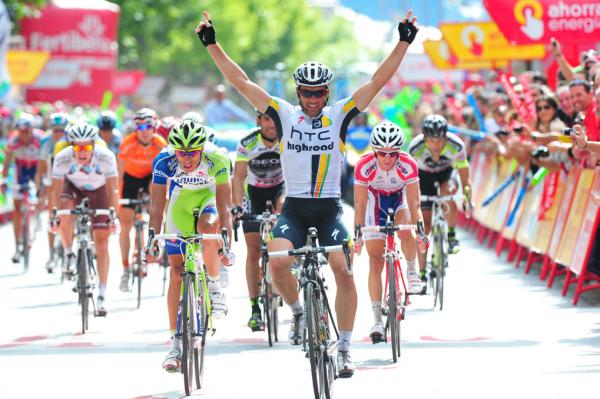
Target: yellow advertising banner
[
  {"x": 25, "y": 66},
  {"x": 477, "y": 41},
  {"x": 443, "y": 58}
]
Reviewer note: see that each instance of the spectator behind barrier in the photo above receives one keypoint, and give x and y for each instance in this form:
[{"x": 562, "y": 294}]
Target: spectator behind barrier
[{"x": 583, "y": 101}]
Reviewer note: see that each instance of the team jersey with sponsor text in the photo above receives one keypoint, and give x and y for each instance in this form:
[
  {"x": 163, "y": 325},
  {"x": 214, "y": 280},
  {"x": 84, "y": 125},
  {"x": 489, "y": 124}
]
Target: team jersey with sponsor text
[
  {"x": 366, "y": 173},
  {"x": 453, "y": 154},
  {"x": 264, "y": 164},
  {"x": 85, "y": 177},
  {"x": 312, "y": 149}
]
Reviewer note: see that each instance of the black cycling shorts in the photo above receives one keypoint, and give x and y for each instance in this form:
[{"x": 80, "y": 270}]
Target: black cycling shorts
[
  {"x": 298, "y": 214},
  {"x": 427, "y": 184},
  {"x": 132, "y": 186},
  {"x": 257, "y": 203}
]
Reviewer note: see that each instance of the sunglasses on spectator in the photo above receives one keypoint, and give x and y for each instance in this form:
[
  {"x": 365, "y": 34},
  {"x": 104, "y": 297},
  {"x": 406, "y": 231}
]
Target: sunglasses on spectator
[
  {"x": 189, "y": 153},
  {"x": 385, "y": 154},
  {"x": 143, "y": 128},
  {"x": 542, "y": 107},
  {"x": 313, "y": 93},
  {"x": 86, "y": 147}
]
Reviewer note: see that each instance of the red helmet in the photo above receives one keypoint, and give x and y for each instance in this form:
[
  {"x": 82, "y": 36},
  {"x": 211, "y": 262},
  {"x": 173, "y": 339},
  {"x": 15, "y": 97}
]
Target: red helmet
[{"x": 165, "y": 126}]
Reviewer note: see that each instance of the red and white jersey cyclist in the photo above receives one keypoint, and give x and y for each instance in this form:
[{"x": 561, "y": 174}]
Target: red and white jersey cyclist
[{"x": 387, "y": 178}]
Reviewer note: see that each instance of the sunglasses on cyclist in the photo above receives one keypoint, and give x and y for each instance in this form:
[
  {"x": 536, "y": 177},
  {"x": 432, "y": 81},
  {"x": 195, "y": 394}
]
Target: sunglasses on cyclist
[
  {"x": 143, "y": 128},
  {"x": 86, "y": 147},
  {"x": 190, "y": 153},
  {"x": 385, "y": 154},
  {"x": 313, "y": 93}
]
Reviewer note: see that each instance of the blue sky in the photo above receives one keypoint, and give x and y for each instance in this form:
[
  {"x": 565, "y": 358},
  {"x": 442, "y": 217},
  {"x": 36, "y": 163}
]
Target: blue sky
[{"x": 430, "y": 12}]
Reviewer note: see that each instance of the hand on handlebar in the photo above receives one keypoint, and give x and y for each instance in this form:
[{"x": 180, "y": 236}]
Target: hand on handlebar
[
  {"x": 227, "y": 258},
  {"x": 151, "y": 254},
  {"x": 358, "y": 239},
  {"x": 237, "y": 212}
]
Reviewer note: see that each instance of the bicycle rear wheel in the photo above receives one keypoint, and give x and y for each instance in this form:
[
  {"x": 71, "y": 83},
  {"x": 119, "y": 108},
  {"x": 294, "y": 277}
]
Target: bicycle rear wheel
[
  {"x": 188, "y": 321},
  {"x": 84, "y": 300},
  {"x": 392, "y": 317},
  {"x": 437, "y": 268},
  {"x": 316, "y": 343}
]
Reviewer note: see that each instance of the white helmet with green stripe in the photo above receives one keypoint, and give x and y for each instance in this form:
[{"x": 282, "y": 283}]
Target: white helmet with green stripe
[{"x": 187, "y": 134}]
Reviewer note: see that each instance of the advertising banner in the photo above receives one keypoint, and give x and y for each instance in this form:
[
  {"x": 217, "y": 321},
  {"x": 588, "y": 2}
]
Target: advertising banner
[
  {"x": 443, "y": 58},
  {"x": 82, "y": 42},
  {"x": 127, "y": 83},
  {"x": 24, "y": 67},
  {"x": 4, "y": 35},
  {"x": 476, "y": 41},
  {"x": 536, "y": 21}
]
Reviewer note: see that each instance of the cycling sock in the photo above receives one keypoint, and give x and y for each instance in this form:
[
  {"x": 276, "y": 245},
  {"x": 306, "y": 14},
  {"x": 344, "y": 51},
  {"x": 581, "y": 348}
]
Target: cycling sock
[
  {"x": 344, "y": 342},
  {"x": 296, "y": 308},
  {"x": 412, "y": 268},
  {"x": 125, "y": 263},
  {"x": 102, "y": 290},
  {"x": 376, "y": 306},
  {"x": 255, "y": 307},
  {"x": 213, "y": 283},
  {"x": 175, "y": 342},
  {"x": 68, "y": 250}
]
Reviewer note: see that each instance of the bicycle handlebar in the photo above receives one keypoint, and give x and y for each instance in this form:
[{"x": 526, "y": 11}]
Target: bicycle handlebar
[
  {"x": 91, "y": 212},
  {"x": 152, "y": 237},
  {"x": 134, "y": 201},
  {"x": 398, "y": 227},
  {"x": 440, "y": 198},
  {"x": 310, "y": 250}
]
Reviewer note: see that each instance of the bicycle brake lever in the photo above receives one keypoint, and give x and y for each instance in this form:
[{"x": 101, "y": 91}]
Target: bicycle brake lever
[{"x": 346, "y": 249}]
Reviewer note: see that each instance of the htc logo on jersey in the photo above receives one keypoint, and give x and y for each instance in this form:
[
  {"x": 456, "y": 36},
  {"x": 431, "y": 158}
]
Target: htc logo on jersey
[
  {"x": 310, "y": 148},
  {"x": 302, "y": 136}
]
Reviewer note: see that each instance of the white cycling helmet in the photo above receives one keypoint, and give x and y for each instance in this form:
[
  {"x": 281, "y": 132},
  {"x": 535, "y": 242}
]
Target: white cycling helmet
[
  {"x": 312, "y": 74},
  {"x": 193, "y": 115},
  {"x": 82, "y": 132},
  {"x": 387, "y": 135}
]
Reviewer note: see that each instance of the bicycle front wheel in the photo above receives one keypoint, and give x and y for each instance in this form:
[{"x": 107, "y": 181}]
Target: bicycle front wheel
[
  {"x": 139, "y": 265},
  {"x": 202, "y": 323},
  {"x": 82, "y": 279},
  {"x": 317, "y": 351},
  {"x": 25, "y": 242},
  {"x": 392, "y": 317},
  {"x": 188, "y": 322}
]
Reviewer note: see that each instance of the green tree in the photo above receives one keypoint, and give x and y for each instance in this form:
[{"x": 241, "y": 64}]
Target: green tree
[
  {"x": 18, "y": 9},
  {"x": 158, "y": 36}
]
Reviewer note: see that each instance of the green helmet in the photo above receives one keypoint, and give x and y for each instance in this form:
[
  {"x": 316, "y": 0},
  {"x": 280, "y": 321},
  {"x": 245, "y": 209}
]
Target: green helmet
[{"x": 187, "y": 134}]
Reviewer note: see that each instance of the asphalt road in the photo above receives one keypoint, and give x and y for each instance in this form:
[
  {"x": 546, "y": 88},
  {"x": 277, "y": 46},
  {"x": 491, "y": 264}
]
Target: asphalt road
[{"x": 501, "y": 334}]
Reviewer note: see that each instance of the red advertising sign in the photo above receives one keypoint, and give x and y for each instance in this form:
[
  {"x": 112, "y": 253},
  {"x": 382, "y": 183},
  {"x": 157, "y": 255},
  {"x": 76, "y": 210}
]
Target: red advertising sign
[
  {"x": 126, "y": 83},
  {"x": 82, "y": 42},
  {"x": 588, "y": 228},
  {"x": 536, "y": 21}
]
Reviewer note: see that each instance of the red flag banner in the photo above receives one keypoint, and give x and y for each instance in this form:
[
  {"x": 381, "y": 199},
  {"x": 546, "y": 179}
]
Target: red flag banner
[{"x": 536, "y": 21}]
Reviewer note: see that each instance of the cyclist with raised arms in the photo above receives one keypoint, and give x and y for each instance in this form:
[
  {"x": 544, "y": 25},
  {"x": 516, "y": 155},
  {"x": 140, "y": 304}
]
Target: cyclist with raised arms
[
  {"x": 22, "y": 147},
  {"x": 195, "y": 174},
  {"x": 387, "y": 178},
  {"x": 438, "y": 153},
  {"x": 257, "y": 162},
  {"x": 134, "y": 161},
  {"x": 58, "y": 122},
  {"x": 312, "y": 137},
  {"x": 86, "y": 170}
]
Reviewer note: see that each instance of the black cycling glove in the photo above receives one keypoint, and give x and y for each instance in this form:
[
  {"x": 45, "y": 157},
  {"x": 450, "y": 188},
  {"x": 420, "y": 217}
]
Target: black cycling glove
[
  {"x": 207, "y": 34},
  {"x": 408, "y": 31}
]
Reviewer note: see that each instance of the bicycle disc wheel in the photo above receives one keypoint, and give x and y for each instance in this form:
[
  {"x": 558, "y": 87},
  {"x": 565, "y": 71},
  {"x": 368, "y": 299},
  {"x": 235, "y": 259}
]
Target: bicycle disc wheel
[
  {"x": 187, "y": 321},
  {"x": 84, "y": 300},
  {"x": 202, "y": 323},
  {"x": 392, "y": 319},
  {"x": 315, "y": 343}
]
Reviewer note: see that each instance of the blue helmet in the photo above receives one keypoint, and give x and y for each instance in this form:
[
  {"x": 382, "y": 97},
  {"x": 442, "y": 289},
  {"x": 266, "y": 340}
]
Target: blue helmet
[
  {"x": 59, "y": 120},
  {"x": 107, "y": 120}
]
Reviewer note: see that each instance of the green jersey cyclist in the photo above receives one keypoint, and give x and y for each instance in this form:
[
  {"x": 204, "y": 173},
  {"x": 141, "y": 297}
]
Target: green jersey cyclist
[{"x": 195, "y": 174}]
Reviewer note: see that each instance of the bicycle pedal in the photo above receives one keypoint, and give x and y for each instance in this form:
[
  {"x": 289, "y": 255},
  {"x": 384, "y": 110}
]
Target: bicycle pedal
[
  {"x": 100, "y": 313},
  {"x": 376, "y": 339}
]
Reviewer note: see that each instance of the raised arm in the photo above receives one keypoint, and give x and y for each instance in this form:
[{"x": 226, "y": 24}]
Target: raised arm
[
  {"x": 235, "y": 75},
  {"x": 366, "y": 93},
  {"x": 563, "y": 64}
]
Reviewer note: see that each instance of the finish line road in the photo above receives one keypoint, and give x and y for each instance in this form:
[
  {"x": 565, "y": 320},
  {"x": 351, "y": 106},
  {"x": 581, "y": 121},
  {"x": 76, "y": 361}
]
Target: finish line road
[{"x": 502, "y": 334}]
